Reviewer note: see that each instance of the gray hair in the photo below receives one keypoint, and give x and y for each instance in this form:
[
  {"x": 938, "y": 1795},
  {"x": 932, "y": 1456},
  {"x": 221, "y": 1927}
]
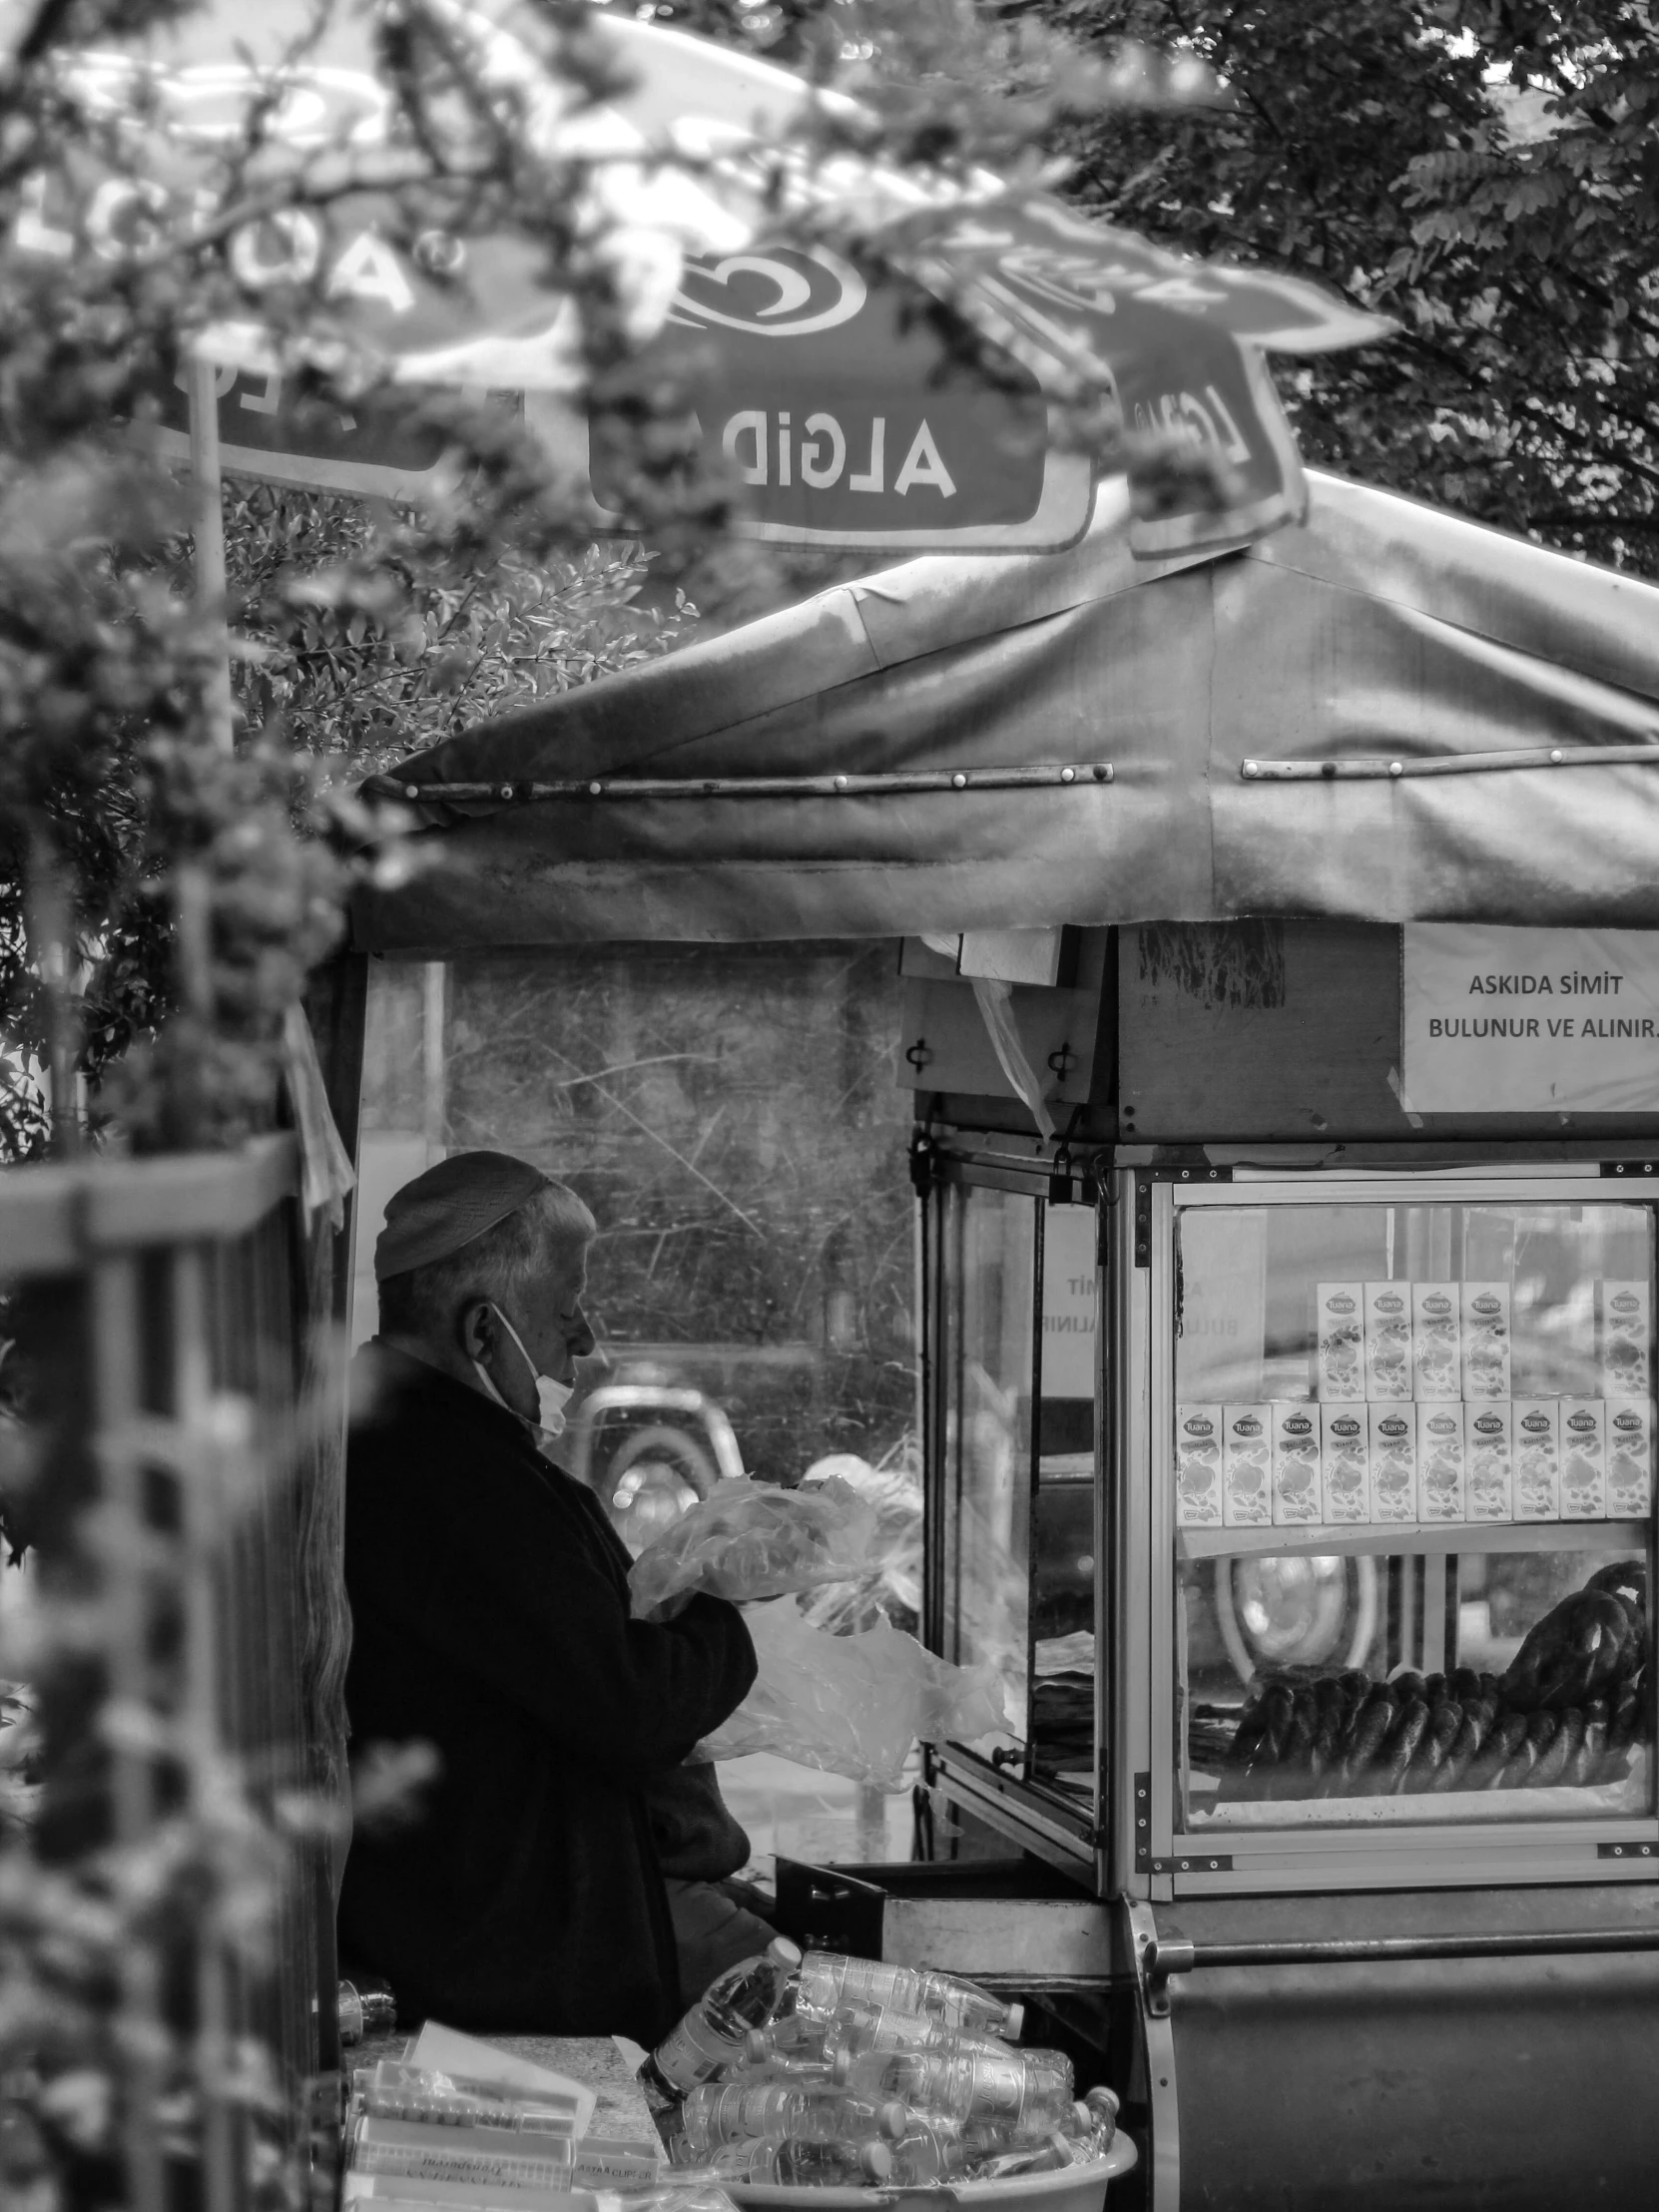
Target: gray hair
[{"x": 495, "y": 1265}]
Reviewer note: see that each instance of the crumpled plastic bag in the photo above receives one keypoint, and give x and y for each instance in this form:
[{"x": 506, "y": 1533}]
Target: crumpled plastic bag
[
  {"x": 852, "y": 1705},
  {"x": 750, "y": 1540}
]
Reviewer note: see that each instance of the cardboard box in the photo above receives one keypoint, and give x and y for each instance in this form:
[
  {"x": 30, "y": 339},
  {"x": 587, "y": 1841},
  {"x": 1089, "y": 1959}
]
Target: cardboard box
[
  {"x": 1488, "y": 1486},
  {"x": 1484, "y": 1329},
  {"x": 1247, "y": 1466},
  {"x": 1198, "y": 1466},
  {"x": 1345, "y": 1465},
  {"x": 1535, "y": 1451},
  {"x": 1441, "y": 1494},
  {"x": 1629, "y": 1459},
  {"x": 1436, "y": 1371},
  {"x": 1339, "y": 1342},
  {"x": 1392, "y": 1447},
  {"x": 1624, "y": 1339},
  {"x": 1388, "y": 1341},
  {"x": 1583, "y": 1449},
  {"x": 1296, "y": 1465}
]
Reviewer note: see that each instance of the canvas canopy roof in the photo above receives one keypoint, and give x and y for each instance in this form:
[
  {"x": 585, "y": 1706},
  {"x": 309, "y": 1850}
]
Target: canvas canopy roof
[{"x": 1359, "y": 716}]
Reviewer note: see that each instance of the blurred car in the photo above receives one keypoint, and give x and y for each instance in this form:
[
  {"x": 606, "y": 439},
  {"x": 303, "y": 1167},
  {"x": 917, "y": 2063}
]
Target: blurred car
[{"x": 649, "y": 1449}]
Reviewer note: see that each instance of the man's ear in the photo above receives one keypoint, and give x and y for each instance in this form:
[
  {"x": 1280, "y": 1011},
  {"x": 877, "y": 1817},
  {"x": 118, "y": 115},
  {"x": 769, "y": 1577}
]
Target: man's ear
[{"x": 475, "y": 1328}]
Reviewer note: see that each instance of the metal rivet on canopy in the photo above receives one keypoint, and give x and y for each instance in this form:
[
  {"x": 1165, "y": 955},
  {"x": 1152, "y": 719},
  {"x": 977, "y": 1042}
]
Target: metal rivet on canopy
[
  {"x": 1555, "y": 753},
  {"x": 1069, "y": 776},
  {"x": 1250, "y": 767},
  {"x": 841, "y": 783},
  {"x": 506, "y": 790},
  {"x": 959, "y": 782},
  {"x": 412, "y": 790},
  {"x": 1397, "y": 768},
  {"x": 596, "y": 791}
]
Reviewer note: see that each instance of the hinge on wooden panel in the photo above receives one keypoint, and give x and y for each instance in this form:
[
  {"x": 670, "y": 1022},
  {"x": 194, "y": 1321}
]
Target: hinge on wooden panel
[
  {"x": 1220, "y": 1862},
  {"x": 1143, "y": 1222},
  {"x": 1142, "y": 1823},
  {"x": 1627, "y": 1850},
  {"x": 1632, "y": 1169}
]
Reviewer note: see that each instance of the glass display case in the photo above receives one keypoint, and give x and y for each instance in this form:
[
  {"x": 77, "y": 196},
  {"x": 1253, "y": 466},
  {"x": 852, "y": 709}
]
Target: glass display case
[{"x": 1400, "y": 1437}]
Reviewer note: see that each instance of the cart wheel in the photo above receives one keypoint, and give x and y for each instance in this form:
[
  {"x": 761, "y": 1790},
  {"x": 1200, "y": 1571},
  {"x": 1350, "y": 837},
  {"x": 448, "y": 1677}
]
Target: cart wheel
[
  {"x": 653, "y": 1476},
  {"x": 1295, "y": 1610}
]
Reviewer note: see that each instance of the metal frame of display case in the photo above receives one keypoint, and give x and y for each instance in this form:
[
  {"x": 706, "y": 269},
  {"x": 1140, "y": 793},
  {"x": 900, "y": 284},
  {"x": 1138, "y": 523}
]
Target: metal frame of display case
[{"x": 1158, "y": 1862}]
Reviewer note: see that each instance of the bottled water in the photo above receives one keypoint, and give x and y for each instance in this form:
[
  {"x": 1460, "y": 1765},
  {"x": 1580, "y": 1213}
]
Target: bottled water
[
  {"x": 1001, "y": 2088},
  {"x": 711, "y": 2035},
  {"x": 931, "y": 2150},
  {"x": 830, "y": 1982},
  {"x": 726, "y": 2112},
  {"x": 797, "y": 2164}
]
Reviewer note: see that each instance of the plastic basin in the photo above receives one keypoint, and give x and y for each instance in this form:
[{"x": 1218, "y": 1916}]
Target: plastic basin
[{"x": 1072, "y": 2189}]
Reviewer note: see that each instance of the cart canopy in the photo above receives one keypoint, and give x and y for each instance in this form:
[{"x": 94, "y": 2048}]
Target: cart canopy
[{"x": 1386, "y": 713}]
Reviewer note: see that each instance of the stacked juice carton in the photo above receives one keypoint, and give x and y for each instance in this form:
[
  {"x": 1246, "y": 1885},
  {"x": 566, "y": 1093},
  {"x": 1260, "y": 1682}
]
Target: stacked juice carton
[
  {"x": 1413, "y": 1421},
  {"x": 835, "y": 2071},
  {"x": 457, "y": 2122}
]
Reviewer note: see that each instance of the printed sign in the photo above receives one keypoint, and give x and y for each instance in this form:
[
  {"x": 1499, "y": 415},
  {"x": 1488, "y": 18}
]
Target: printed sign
[
  {"x": 1070, "y": 1303},
  {"x": 1530, "y": 1021}
]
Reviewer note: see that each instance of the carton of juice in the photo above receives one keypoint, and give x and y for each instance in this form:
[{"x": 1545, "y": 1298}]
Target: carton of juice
[
  {"x": 1296, "y": 1465},
  {"x": 1340, "y": 1340},
  {"x": 1485, "y": 1318},
  {"x": 1629, "y": 1459},
  {"x": 1247, "y": 1466},
  {"x": 1488, "y": 1488},
  {"x": 1198, "y": 1466},
  {"x": 1391, "y": 1439},
  {"x": 1344, "y": 1464},
  {"x": 1583, "y": 1448},
  {"x": 1441, "y": 1460},
  {"x": 1535, "y": 1456},
  {"x": 1624, "y": 1334},
  {"x": 1388, "y": 1340},
  {"x": 1434, "y": 1340}
]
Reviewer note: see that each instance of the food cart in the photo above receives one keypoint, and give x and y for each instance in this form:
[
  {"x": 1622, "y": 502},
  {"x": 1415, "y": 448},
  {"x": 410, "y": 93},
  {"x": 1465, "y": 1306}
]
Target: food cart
[{"x": 1282, "y": 1333}]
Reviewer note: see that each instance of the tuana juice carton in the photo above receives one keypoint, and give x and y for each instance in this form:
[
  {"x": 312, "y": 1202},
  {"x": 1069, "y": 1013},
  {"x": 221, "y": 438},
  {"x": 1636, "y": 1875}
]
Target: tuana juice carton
[
  {"x": 1488, "y": 1490},
  {"x": 1247, "y": 1466},
  {"x": 1629, "y": 1459},
  {"x": 1583, "y": 1446},
  {"x": 1296, "y": 1465},
  {"x": 1624, "y": 1333},
  {"x": 1435, "y": 1338},
  {"x": 1388, "y": 1341},
  {"x": 1344, "y": 1464},
  {"x": 1340, "y": 1340},
  {"x": 1391, "y": 1439},
  {"x": 1440, "y": 1461},
  {"x": 1198, "y": 1466},
  {"x": 1535, "y": 1456},
  {"x": 1485, "y": 1318}
]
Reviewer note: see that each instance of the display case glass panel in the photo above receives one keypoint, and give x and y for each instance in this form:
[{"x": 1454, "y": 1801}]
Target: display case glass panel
[{"x": 1413, "y": 1506}]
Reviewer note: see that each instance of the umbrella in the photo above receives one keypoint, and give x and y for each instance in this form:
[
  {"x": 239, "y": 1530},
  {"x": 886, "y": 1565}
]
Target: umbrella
[{"x": 842, "y": 407}]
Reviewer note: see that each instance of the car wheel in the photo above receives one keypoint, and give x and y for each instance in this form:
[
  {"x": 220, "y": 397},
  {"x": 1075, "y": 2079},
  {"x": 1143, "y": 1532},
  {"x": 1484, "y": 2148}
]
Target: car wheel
[
  {"x": 653, "y": 1476},
  {"x": 1296, "y": 1610}
]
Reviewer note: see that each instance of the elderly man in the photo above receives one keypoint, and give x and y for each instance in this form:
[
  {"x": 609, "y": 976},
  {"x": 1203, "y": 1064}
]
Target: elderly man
[{"x": 490, "y": 1618}]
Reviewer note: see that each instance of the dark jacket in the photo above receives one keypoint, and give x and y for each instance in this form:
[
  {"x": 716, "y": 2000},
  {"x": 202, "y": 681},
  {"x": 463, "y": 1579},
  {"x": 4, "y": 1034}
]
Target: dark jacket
[{"x": 489, "y": 1604}]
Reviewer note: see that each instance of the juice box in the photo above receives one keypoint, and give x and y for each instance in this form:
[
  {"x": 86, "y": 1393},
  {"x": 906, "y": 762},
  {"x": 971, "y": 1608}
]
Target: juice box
[
  {"x": 1625, "y": 1331},
  {"x": 1388, "y": 1340},
  {"x": 1392, "y": 1439},
  {"x": 1535, "y": 1456},
  {"x": 1198, "y": 1466},
  {"x": 1434, "y": 1340},
  {"x": 1340, "y": 1340},
  {"x": 1487, "y": 1443},
  {"x": 1344, "y": 1464},
  {"x": 1484, "y": 1317},
  {"x": 1583, "y": 1450},
  {"x": 1629, "y": 1459},
  {"x": 1296, "y": 1465},
  {"x": 1441, "y": 1460},
  {"x": 1247, "y": 1466}
]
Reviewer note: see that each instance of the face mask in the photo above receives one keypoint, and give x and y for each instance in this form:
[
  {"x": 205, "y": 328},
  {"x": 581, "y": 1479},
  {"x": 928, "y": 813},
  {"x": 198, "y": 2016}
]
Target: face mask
[{"x": 551, "y": 1398}]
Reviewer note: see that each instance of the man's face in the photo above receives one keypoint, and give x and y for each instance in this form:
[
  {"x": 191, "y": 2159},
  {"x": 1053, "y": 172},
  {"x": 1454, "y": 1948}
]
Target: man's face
[{"x": 551, "y": 1319}]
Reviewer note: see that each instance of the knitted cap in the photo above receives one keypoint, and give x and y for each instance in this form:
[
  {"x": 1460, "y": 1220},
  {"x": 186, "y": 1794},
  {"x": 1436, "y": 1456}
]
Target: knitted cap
[{"x": 450, "y": 1204}]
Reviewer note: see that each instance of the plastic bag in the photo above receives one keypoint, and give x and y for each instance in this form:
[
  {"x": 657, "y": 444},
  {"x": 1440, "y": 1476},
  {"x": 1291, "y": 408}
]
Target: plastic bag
[
  {"x": 750, "y": 1540},
  {"x": 852, "y": 1705}
]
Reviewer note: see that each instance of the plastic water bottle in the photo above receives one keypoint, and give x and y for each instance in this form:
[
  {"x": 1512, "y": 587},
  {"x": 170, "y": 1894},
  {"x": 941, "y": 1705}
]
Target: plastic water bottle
[
  {"x": 973, "y": 2086},
  {"x": 931, "y": 2150},
  {"x": 806, "y": 2165},
  {"x": 712, "y": 2035},
  {"x": 830, "y": 1981},
  {"x": 793, "y": 2045},
  {"x": 726, "y": 2112}
]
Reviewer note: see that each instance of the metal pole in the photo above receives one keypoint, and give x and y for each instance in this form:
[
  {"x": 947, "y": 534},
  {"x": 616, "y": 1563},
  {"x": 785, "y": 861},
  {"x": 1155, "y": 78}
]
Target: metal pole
[{"x": 208, "y": 527}]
